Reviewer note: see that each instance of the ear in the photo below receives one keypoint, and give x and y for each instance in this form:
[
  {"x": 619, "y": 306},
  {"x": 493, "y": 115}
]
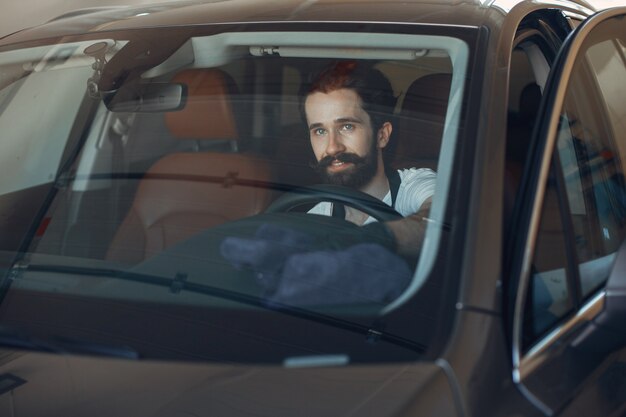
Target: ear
[{"x": 384, "y": 133}]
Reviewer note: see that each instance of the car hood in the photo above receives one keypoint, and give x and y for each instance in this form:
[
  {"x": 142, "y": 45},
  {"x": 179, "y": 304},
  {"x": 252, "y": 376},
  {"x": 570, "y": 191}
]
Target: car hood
[{"x": 65, "y": 385}]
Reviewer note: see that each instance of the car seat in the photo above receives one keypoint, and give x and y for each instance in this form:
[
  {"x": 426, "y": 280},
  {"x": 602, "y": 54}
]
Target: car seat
[
  {"x": 420, "y": 122},
  {"x": 185, "y": 192}
]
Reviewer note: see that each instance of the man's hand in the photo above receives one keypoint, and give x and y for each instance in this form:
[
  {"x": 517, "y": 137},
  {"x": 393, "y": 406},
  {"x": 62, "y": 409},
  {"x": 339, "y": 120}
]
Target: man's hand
[{"x": 409, "y": 232}]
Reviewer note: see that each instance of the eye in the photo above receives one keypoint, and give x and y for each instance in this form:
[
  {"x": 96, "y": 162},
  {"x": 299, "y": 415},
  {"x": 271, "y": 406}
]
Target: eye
[
  {"x": 348, "y": 127},
  {"x": 318, "y": 131}
]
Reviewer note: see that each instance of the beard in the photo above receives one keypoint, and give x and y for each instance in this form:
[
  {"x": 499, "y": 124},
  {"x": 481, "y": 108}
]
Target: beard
[{"x": 358, "y": 175}]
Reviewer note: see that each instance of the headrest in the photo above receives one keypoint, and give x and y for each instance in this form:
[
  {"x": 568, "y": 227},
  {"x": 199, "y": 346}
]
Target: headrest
[
  {"x": 428, "y": 94},
  {"x": 208, "y": 113},
  {"x": 421, "y": 119}
]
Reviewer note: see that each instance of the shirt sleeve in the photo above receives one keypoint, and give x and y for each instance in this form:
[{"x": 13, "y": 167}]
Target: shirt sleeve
[
  {"x": 324, "y": 208},
  {"x": 416, "y": 186}
]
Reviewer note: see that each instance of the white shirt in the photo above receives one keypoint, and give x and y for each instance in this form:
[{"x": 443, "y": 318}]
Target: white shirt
[{"x": 416, "y": 186}]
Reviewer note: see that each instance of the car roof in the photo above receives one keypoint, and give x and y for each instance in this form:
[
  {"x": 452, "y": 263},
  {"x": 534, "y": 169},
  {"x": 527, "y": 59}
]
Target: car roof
[{"x": 198, "y": 12}]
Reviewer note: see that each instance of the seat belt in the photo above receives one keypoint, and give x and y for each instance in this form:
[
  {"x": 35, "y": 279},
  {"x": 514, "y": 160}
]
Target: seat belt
[{"x": 393, "y": 176}]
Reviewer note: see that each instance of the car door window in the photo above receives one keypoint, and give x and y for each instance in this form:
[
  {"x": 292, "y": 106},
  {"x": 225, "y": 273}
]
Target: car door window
[
  {"x": 591, "y": 167},
  {"x": 580, "y": 225},
  {"x": 549, "y": 297},
  {"x": 589, "y": 163}
]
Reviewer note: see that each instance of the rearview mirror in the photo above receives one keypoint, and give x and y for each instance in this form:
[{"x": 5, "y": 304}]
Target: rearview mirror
[{"x": 146, "y": 98}]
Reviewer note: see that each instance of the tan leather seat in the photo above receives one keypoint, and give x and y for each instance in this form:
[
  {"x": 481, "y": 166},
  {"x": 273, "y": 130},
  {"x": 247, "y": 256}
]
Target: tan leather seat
[
  {"x": 420, "y": 122},
  {"x": 186, "y": 192},
  {"x": 208, "y": 113}
]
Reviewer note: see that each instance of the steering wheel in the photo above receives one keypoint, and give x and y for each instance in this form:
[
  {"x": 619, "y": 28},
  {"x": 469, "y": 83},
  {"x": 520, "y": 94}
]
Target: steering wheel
[{"x": 334, "y": 194}]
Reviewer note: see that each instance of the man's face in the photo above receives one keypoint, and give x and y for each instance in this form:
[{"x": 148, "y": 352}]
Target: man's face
[{"x": 342, "y": 138}]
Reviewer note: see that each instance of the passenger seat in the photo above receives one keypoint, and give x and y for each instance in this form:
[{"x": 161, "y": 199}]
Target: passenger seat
[{"x": 186, "y": 192}]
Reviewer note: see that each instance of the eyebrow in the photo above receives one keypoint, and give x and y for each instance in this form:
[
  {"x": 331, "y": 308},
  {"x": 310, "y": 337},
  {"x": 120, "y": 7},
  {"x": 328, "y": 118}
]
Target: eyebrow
[
  {"x": 339, "y": 120},
  {"x": 348, "y": 119}
]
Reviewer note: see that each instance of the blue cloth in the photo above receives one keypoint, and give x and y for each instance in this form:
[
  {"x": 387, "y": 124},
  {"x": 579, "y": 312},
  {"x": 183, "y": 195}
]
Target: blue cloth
[
  {"x": 266, "y": 252},
  {"x": 291, "y": 271}
]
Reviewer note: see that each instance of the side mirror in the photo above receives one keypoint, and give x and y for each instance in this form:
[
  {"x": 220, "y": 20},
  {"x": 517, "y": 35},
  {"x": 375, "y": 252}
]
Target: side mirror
[{"x": 146, "y": 98}]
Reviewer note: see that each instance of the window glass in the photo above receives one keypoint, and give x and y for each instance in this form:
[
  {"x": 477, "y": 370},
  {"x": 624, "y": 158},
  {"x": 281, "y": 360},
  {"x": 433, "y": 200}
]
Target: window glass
[
  {"x": 607, "y": 60},
  {"x": 195, "y": 188},
  {"x": 591, "y": 154},
  {"x": 583, "y": 216},
  {"x": 548, "y": 297},
  {"x": 52, "y": 100}
]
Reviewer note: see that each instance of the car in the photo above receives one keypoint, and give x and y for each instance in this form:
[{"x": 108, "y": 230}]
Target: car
[{"x": 160, "y": 251}]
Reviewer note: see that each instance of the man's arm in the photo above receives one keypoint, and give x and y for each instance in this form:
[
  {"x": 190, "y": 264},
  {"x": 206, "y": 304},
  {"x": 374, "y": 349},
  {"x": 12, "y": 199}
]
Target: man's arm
[{"x": 409, "y": 231}]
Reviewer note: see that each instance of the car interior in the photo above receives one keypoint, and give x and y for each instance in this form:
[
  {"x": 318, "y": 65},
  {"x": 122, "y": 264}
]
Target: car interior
[
  {"x": 151, "y": 165},
  {"x": 238, "y": 143}
]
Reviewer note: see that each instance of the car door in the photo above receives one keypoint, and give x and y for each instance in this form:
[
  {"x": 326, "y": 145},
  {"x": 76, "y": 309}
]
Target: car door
[{"x": 567, "y": 307}]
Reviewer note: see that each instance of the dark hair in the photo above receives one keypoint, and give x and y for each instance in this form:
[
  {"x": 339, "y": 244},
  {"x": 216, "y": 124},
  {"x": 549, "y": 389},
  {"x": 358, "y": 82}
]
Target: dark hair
[{"x": 370, "y": 84}]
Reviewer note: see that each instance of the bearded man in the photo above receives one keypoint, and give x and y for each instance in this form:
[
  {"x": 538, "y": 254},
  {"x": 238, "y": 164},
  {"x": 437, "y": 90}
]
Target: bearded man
[{"x": 348, "y": 112}]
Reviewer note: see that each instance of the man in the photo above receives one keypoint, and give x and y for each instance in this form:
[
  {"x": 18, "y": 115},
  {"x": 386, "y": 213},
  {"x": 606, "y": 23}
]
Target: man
[
  {"x": 348, "y": 113},
  {"x": 347, "y": 110}
]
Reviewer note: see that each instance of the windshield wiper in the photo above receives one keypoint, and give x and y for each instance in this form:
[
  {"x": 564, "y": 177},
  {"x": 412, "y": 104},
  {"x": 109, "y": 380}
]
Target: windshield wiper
[
  {"x": 12, "y": 339},
  {"x": 179, "y": 283}
]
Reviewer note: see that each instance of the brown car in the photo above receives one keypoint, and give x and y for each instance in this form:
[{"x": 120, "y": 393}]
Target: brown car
[{"x": 315, "y": 208}]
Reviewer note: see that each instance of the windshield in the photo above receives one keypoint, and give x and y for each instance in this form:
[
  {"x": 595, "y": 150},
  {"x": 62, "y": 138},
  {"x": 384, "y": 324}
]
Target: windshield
[{"x": 250, "y": 195}]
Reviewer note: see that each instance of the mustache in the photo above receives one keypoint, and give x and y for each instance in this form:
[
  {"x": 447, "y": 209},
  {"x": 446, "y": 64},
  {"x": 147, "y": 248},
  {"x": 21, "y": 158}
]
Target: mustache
[{"x": 342, "y": 157}]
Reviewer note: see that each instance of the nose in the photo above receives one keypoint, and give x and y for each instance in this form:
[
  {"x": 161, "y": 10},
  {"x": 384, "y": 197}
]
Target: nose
[{"x": 335, "y": 144}]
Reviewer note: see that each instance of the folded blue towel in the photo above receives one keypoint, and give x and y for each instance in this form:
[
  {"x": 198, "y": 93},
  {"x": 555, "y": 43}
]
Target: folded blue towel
[
  {"x": 266, "y": 252},
  {"x": 364, "y": 273},
  {"x": 291, "y": 272}
]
